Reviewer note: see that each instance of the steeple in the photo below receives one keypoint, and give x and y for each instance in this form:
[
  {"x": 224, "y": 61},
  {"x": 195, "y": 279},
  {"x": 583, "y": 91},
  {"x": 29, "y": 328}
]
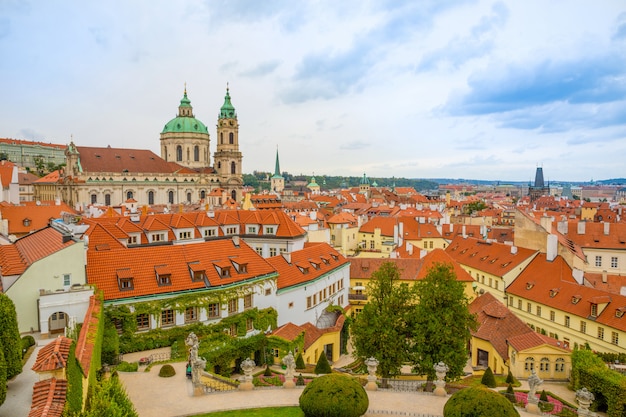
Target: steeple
[
  {"x": 277, "y": 180},
  {"x": 227, "y": 111},
  {"x": 539, "y": 178},
  {"x": 185, "y": 109},
  {"x": 277, "y": 168}
]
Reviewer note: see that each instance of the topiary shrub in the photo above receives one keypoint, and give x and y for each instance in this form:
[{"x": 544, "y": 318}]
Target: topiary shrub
[
  {"x": 322, "y": 366},
  {"x": 300, "y": 381},
  {"x": 300, "y": 362},
  {"x": 510, "y": 394},
  {"x": 478, "y": 402},
  {"x": 544, "y": 405},
  {"x": 167, "y": 371},
  {"x": 268, "y": 371},
  {"x": 510, "y": 379},
  {"x": 488, "y": 379},
  {"x": 334, "y": 395}
]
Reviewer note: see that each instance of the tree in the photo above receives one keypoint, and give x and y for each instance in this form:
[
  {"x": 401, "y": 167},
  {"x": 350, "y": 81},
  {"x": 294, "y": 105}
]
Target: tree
[
  {"x": 300, "y": 361},
  {"x": 488, "y": 379},
  {"x": 10, "y": 337},
  {"x": 3, "y": 378},
  {"x": 322, "y": 366},
  {"x": 382, "y": 329},
  {"x": 442, "y": 323}
]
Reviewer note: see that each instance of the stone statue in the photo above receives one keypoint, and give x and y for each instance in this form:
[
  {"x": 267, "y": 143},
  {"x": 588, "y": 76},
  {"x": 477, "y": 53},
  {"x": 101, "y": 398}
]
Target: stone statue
[
  {"x": 585, "y": 398},
  {"x": 194, "y": 344},
  {"x": 533, "y": 382},
  {"x": 372, "y": 366},
  {"x": 441, "y": 369},
  {"x": 290, "y": 364}
]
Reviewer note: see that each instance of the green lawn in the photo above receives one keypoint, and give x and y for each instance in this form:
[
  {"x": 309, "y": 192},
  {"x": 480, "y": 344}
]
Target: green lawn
[{"x": 258, "y": 412}]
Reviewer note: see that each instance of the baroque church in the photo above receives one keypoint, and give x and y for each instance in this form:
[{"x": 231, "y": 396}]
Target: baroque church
[{"x": 183, "y": 174}]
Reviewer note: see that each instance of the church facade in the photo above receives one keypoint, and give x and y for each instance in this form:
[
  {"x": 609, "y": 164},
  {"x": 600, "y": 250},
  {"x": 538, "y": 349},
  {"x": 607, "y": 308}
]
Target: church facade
[{"x": 183, "y": 174}]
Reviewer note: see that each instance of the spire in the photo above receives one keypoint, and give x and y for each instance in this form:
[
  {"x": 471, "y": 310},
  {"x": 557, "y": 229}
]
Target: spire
[
  {"x": 185, "y": 109},
  {"x": 277, "y": 169},
  {"x": 539, "y": 183},
  {"x": 227, "y": 111}
]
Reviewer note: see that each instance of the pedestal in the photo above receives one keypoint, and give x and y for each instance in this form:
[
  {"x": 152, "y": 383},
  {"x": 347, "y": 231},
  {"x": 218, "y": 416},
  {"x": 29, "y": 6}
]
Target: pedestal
[
  {"x": 198, "y": 390},
  {"x": 440, "y": 389},
  {"x": 371, "y": 386},
  {"x": 533, "y": 408},
  {"x": 246, "y": 386},
  {"x": 289, "y": 383}
]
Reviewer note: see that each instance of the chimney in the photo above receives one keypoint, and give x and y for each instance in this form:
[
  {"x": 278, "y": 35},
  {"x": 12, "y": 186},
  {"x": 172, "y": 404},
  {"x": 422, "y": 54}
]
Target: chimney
[
  {"x": 604, "y": 278},
  {"x": 578, "y": 275},
  {"x": 546, "y": 223},
  {"x": 552, "y": 247},
  {"x": 395, "y": 234},
  {"x": 236, "y": 241},
  {"x": 607, "y": 228},
  {"x": 561, "y": 227},
  {"x": 581, "y": 228},
  {"x": 463, "y": 232},
  {"x": 409, "y": 248},
  {"x": 513, "y": 250},
  {"x": 287, "y": 256}
]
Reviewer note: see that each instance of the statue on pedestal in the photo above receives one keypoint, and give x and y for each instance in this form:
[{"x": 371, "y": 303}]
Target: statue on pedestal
[
  {"x": 290, "y": 365},
  {"x": 441, "y": 369},
  {"x": 585, "y": 398},
  {"x": 372, "y": 366},
  {"x": 247, "y": 366},
  {"x": 532, "y": 404}
]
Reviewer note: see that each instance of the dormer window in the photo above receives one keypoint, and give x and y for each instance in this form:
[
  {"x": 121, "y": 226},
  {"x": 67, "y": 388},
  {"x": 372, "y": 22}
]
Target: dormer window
[
  {"x": 620, "y": 312},
  {"x": 463, "y": 251},
  {"x": 303, "y": 269},
  {"x": 269, "y": 230},
  {"x": 325, "y": 260},
  {"x": 163, "y": 275},
  {"x": 504, "y": 265},
  {"x": 484, "y": 257},
  {"x": 473, "y": 254},
  {"x": 315, "y": 265},
  {"x": 125, "y": 279},
  {"x": 594, "y": 310},
  {"x": 576, "y": 299},
  {"x": 530, "y": 285},
  {"x": 554, "y": 292},
  {"x": 335, "y": 257},
  {"x": 197, "y": 272},
  {"x": 225, "y": 272},
  {"x": 240, "y": 268}
]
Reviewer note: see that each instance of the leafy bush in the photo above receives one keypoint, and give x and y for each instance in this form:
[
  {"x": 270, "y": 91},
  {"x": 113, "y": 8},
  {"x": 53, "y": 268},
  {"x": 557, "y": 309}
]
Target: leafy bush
[
  {"x": 334, "y": 395},
  {"x": 167, "y": 371},
  {"x": 510, "y": 393},
  {"x": 322, "y": 366},
  {"x": 127, "y": 367},
  {"x": 510, "y": 379},
  {"x": 27, "y": 342},
  {"x": 110, "y": 345},
  {"x": 488, "y": 379},
  {"x": 10, "y": 340},
  {"x": 300, "y": 362},
  {"x": 109, "y": 398},
  {"x": 268, "y": 371},
  {"x": 478, "y": 402},
  {"x": 300, "y": 381}
]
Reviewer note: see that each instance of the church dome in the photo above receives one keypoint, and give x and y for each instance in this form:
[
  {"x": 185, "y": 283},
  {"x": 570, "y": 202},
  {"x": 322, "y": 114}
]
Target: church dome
[{"x": 185, "y": 122}]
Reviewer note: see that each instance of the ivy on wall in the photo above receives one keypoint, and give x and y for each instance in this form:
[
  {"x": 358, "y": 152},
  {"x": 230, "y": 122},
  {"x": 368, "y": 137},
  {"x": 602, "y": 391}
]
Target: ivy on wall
[{"x": 74, "y": 398}]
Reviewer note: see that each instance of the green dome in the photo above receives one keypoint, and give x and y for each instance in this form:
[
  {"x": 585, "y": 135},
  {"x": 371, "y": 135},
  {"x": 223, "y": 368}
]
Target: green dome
[
  {"x": 185, "y": 122},
  {"x": 227, "y": 111}
]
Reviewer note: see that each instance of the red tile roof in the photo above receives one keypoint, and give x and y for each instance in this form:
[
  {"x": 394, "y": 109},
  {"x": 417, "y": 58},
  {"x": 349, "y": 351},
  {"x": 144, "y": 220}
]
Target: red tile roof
[
  {"x": 36, "y": 216},
  {"x": 306, "y": 265},
  {"x": 11, "y": 141},
  {"x": 94, "y": 160},
  {"x": 54, "y": 355},
  {"x": 6, "y": 172},
  {"x": 103, "y": 266},
  {"x": 48, "y": 398}
]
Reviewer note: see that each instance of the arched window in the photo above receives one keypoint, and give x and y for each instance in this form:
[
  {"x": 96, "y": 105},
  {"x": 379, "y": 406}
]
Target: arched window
[
  {"x": 219, "y": 165},
  {"x": 233, "y": 168},
  {"x": 222, "y": 138},
  {"x": 188, "y": 154},
  {"x": 179, "y": 153},
  {"x": 233, "y": 194},
  {"x": 202, "y": 194},
  {"x": 544, "y": 365},
  {"x": 529, "y": 364},
  {"x": 170, "y": 197},
  {"x": 231, "y": 138},
  {"x": 107, "y": 199},
  {"x": 129, "y": 195},
  {"x": 150, "y": 197},
  {"x": 560, "y": 365},
  {"x": 196, "y": 153},
  {"x": 189, "y": 197},
  {"x": 94, "y": 199},
  {"x": 165, "y": 152}
]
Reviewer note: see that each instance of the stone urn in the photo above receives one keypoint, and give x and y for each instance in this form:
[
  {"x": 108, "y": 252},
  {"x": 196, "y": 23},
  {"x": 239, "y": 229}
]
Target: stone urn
[
  {"x": 247, "y": 366},
  {"x": 584, "y": 398},
  {"x": 441, "y": 369},
  {"x": 372, "y": 366}
]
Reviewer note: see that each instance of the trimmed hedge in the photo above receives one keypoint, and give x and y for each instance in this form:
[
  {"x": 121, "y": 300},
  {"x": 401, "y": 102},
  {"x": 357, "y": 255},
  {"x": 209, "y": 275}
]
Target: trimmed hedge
[
  {"x": 608, "y": 387},
  {"x": 334, "y": 395},
  {"x": 300, "y": 362},
  {"x": 167, "y": 371},
  {"x": 488, "y": 379},
  {"x": 127, "y": 367},
  {"x": 322, "y": 366},
  {"x": 478, "y": 402},
  {"x": 10, "y": 340},
  {"x": 27, "y": 342}
]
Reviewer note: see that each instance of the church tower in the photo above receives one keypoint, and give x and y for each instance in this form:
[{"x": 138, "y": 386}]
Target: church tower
[
  {"x": 277, "y": 181},
  {"x": 227, "y": 157},
  {"x": 185, "y": 139}
]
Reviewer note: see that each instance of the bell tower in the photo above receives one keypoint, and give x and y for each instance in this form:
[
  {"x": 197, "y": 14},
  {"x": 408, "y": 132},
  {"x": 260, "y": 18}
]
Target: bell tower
[{"x": 227, "y": 157}]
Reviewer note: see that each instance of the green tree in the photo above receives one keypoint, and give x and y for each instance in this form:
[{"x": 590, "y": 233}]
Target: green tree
[
  {"x": 488, "y": 379},
  {"x": 322, "y": 366},
  {"x": 3, "y": 378},
  {"x": 334, "y": 395},
  {"x": 109, "y": 399},
  {"x": 475, "y": 206},
  {"x": 300, "y": 361},
  {"x": 10, "y": 337},
  {"x": 382, "y": 329},
  {"x": 442, "y": 323}
]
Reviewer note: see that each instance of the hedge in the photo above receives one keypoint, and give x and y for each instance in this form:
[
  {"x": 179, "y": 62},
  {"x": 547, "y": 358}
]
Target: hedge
[
  {"x": 334, "y": 395},
  {"x": 478, "y": 402},
  {"x": 608, "y": 387}
]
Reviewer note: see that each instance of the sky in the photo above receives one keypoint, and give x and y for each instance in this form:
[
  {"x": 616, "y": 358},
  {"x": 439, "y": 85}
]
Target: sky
[{"x": 417, "y": 89}]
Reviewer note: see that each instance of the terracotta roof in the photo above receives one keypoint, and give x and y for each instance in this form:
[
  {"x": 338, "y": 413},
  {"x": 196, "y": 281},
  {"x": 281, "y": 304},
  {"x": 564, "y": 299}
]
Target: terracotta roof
[
  {"x": 102, "y": 267},
  {"x": 54, "y": 355},
  {"x": 48, "y": 398},
  {"x": 10, "y": 141},
  {"x": 52, "y": 177},
  {"x": 494, "y": 258},
  {"x": 288, "y": 331},
  {"x": 26, "y": 178},
  {"x": 95, "y": 160},
  {"x": 306, "y": 264},
  {"x": 552, "y": 284},
  {"x": 533, "y": 339},
  {"x": 410, "y": 269},
  {"x": 26, "y": 218},
  {"x": 6, "y": 172},
  {"x": 594, "y": 236}
]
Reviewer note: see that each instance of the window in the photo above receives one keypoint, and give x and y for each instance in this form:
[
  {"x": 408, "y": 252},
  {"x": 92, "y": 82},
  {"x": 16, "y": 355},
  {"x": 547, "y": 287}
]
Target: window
[
  {"x": 107, "y": 199},
  {"x": 425, "y": 244},
  {"x": 197, "y": 275},
  {"x": 150, "y": 197},
  {"x": 67, "y": 280},
  {"x": 431, "y": 244},
  {"x": 132, "y": 240},
  {"x": 529, "y": 364},
  {"x": 189, "y": 197},
  {"x": 119, "y": 327},
  {"x": 583, "y": 327},
  {"x": 544, "y": 365},
  {"x": 529, "y": 307},
  {"x": 170, "y": 197},
  {"x": 567, "y": 321},
  {"x": 247, "y": 301},
  {"x": 269, "y": 230},
  {"x": 249, "y": 324},
  {"x": 129, "y": 195},
  {"x": 94, "y": 199},
  {"x": 196, "y": 153},
  {"x": 259, "y": 250},
  {"x": 340, "y": 300},
  {"x": 613, "y": 261},
  {"x": 552, "y": 315},
  {"x": 210, "y": 232},
  {"x": 213, "y": 310},
  {"x": 268, "y": 291},
  {"x": 231, "y": 138},
  {"x": 184, "y": 235},
  {"x": 179, "y": 153},
  {"x": 126, "y": 284},
  {"x": 167, "y": 317},
  {"x": 497, "y": 285},
  {"x": 598, "y": 260},
  {"x": 615, "y": 338},
  {"x": 251, "y": 230},
  {"x": 560, "y": 365},
  {"x": 232, "y": 306},
  {"x": 272, "y": 251},
  {"x": 233, "y": 168},
  {"x": 233, "y": 330},
  {"x": 539, "y": 311},
  {"x": 225, "y": 272},
  {"x": 594, "y": 310},
  {"x": 309, "y": 303},
  {"x": 158, "y": 237},
  {"x": 519, "y": 303},
  {"x": 490, "y": 282},
  {"x": 601, "y": 333},
  {"x": 143, "y": 321},
  {"x": 164, "y": 279},
  {"x": 191, "y": 314},
  {"x": 231, "y": 230},
  {"x": 372, "y": 245}
]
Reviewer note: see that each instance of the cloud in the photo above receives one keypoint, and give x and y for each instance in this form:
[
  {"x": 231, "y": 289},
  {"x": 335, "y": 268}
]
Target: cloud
[
  {"x": 620, "y": 30},
  {"x": 263, "y": 68},
  {"x": 354, "y": 145},
  {"x": 462, "y": 49}
]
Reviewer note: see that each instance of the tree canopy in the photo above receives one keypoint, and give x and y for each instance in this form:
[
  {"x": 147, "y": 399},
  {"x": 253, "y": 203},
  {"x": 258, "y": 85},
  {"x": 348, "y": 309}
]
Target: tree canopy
[
  {"x": 442, "y": 323},
  {"x": 381, "y": 330},
  {"x": 10, "y": 340}
]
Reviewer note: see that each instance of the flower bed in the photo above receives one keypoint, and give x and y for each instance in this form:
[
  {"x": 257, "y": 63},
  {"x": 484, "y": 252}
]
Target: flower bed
[
  {"x": 557, "y": 406},
  {"x": 276, "y": 380}
]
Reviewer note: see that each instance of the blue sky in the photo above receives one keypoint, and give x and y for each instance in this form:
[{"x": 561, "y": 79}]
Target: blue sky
[{"x": 419, "y": 89}]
